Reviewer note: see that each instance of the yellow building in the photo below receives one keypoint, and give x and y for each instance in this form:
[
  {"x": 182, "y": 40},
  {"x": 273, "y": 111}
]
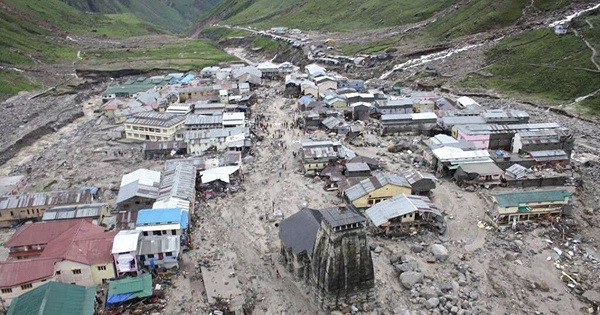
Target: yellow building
[
  {"x": 68, "y": 271},
  {"x": 528, "y": 205},
  {"x": 381, "y": 186},
  {"x": 152, "y": 126}
]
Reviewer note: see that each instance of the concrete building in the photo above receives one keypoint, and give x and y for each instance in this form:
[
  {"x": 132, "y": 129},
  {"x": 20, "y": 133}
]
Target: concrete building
[
  {"x": 199, "y": 141},
  {"x": 200, "y": 122},
  {"x": 138, "y": 190},
  {"x": 152, "y": 126},
  {"x": 543, "y": 140},
  {"x": 316, "y": 155},
  {"x": 498, "y": 137},
  {"x": 125, "y": 252},
  {"x": 485, "y": 173},
  {"x": 381, "y": 186},
  {"x": 415, "y": 122},
  {"x": 395, "y": 106},
  {"x": 159, "y": 222},
  {"x": 528, "y": 205},
  {"x": 160, "y": 251}
]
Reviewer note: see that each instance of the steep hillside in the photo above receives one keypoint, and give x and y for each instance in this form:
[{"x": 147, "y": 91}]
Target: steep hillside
[
  {"x": 330, "y": 15},
  {"x": 173, "y": 15}
]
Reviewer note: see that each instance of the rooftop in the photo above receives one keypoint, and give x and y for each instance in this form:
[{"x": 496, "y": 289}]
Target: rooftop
[
  {"x": 299, "y": 230},
  {"x": 162, "y": 216},
  {"x": 339, "y": 216},
  {"x": 378, "y": 180},
  {"x": 54, "y": 298},
  {"x": 125, "y": 289},
  {"x": 386, "y": 210},
  {"x": 516, "y": 199},
  {"x": 92, "y": 210},
  {"x": 155, "y": 119}
]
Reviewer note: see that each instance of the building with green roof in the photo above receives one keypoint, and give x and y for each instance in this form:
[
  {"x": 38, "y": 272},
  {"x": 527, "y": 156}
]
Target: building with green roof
[
  {"x": 55, "y": 298},
  {"x": 129, "y": 288},
  {"x": 528, "y": 205},
  {"x": 132, "y": 86}
]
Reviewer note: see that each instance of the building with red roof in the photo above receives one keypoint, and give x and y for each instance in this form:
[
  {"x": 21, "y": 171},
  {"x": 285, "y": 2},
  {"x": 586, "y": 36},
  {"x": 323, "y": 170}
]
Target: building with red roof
[{"x": 80, "y": 254}]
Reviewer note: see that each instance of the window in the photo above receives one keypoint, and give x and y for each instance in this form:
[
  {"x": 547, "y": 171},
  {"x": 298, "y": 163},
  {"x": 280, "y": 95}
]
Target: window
[
  {"x": 150, "y": 255},
  {"x": 156, "y": 233},
  {"x": 26, "y": 286},
  {"x": 76, "y": 271},
  {"x": 101, "y": 267},
  {"x": 57, "y": 272},
  {"x": 174, "y": 232},
  {"x": 168, "y": 254},
  {"x": 7, "y": 290}
]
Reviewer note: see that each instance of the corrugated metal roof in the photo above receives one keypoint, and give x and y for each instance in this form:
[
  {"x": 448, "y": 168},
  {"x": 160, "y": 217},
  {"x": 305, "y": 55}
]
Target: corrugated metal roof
[
  {"x": 44, "y": 199},
  {"x": 129, "y": 288},
  {"x": 337, "y": 216},
  {"x": 143, "y": 176},
  {"x": 159, "y": 244},
  {"x": 54, "y": 298},
  {"x": 516, "y": 199},
  {"x": 378, "y": 180},
  {"x": 155, "y": 119},
  {"x": 17, "y": 272},
  {"x": 357, "y": 167},
  {"x": 135, "y": 189},
  {"x": 162, "y": 217},
  {"x": 196, "y": 119},
  {"x": 179, "y": 181},
  {"x": 398, "y": 206},
  {"x": 518, "y": 171},
  {"x": 126, "y": 241},
  {"x": 92, "y": 210}
]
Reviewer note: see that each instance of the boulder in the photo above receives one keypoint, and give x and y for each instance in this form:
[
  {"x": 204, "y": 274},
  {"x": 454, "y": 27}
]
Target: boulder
[
  {"x": 439, "y": 252},
  {"x": 592, "y": 296},
  {"x": 410, "y": 278},
  {"x": 416, "y": 248},
  {"x": 432, "y": 303}
]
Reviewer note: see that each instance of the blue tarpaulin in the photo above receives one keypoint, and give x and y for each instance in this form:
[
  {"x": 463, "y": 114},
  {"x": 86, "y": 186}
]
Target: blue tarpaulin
[{"x": 118, "y": 298}]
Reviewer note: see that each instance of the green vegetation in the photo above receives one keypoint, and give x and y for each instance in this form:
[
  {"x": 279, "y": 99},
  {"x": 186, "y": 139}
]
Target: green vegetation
[
  {"x": 219, "y": 33},
  {"x": 185, "y": 55},
  {"x": 331, "y": 15},
  {"x": 55, "y": 14},
  {"x": 22, "y": 42},
  {"x": 12, "y": 82},
  {"x": 539, "y": 64},
  {"x": 175, "y": 15},
  {"x": 475, "y": 17},
  {"x": 267, "y": 44},
  {"x": 591, "y": 105}
]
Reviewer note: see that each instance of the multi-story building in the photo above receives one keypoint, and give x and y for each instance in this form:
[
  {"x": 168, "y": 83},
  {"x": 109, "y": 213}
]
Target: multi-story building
[{"x": 152, "y": 126}]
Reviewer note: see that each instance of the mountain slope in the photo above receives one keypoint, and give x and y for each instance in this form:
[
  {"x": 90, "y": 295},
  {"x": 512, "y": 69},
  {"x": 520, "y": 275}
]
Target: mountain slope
[
  {"x": 173, "y": 15},
  {"x": 330, "y": 15}
]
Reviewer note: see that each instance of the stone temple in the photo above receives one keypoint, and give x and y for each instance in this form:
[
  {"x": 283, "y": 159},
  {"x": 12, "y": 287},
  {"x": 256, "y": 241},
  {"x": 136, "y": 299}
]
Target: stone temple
[{"x": 328, "y": 249}]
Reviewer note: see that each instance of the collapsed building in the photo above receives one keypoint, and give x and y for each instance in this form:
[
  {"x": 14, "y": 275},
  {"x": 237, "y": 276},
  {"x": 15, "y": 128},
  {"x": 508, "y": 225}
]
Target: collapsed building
[{"x": 328, "y": 250}]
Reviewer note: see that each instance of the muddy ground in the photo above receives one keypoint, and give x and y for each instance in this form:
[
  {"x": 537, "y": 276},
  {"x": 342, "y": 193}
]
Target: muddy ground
[{"x": 487, "y": 271}]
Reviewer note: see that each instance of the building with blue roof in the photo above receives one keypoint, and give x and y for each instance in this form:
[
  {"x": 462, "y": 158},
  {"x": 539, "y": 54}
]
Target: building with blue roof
[{"x": 171, "y": 221}]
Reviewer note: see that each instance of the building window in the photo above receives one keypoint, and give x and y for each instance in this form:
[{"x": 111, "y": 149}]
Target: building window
[
  {"x": 150, "y": 255},
  {"x": 76, "y": 271},
  {"x": 7, "y": 290},
  {"x": 174, "y": 232},
  {"x": 57, "y": 272},
  {"x": 101, "y": 267},
  {"x": 26, "y": 286},
  {"x": 168, "y": 254}
]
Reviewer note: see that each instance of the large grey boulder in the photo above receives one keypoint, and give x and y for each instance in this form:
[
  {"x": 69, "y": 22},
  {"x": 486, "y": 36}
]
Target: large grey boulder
[
  {"x": 439, "y": 252},
  {"x": 410, "y": 278}
]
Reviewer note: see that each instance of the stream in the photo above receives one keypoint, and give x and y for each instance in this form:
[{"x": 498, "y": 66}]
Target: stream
[{"x": 569, "y": 18}]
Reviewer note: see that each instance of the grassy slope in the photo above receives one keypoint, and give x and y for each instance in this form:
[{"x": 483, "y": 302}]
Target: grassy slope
[
  {"x": 334, "y": 14},
  {"x": 186, "y": 55},
  {"x": 176, "y": 16},
  {"x": 220, "y": 34},
  {"x": 541, "y": 65},
  {"x": 12, "y": 82}
]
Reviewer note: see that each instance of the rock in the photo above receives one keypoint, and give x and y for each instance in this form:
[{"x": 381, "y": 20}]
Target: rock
[
  {"x": 439, "y": 252},
  {"x": 542, "y": 285},
  {"x": 592, "y": 296},
  {"x": 432, "y": 303},
  {"x": 378, "y": 250},
  {"x": 474, "y": 295},
  {"x": 410, "y": 278},
  {"x": 518, "y": 243},
  {"x": 401, "y": 311},
  {"x": 407, "y": 266},
  {"x": 416, "y": 248},
  {"x": 454, "y": 309},
  {"x": 372, "y": 246},
  {"x": 428, "y": 292}
]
